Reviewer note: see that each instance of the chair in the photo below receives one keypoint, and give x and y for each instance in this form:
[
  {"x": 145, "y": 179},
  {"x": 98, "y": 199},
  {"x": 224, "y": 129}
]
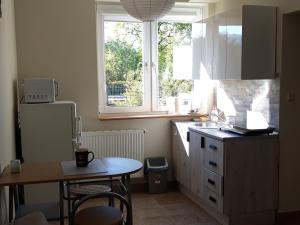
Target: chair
[
  {"x": 78, "y": 190},
  {"x": 99, "y": 214}
]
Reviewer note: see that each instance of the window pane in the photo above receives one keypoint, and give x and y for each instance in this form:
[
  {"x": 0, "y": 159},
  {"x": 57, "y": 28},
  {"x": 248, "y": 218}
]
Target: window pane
[
  {"x": 174, "y": 60},
  {"x": 123, "y": 63}
]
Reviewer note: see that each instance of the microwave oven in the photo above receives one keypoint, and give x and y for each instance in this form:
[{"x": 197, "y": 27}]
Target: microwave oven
[{"x": 39, "y": 90}]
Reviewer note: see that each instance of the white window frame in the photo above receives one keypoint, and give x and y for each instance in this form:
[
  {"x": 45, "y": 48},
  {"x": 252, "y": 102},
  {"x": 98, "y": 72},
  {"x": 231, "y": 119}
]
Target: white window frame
[{"x": 115, "y": 12}]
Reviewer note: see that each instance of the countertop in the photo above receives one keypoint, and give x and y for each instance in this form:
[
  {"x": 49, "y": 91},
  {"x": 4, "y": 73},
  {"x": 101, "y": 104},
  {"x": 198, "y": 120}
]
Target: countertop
[{"x": 216, "y": 133}]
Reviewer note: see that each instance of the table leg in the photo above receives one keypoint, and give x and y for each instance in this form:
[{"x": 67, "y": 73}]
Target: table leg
[
  {"x": 111, "y": 199},
  {"x": 128, "y": 187},
  {"x": 16, "y": 197},
  {"x": 69, "y": 200},
  {"x": 61, "y": 202},
  {"x": 11, "y": 203}
]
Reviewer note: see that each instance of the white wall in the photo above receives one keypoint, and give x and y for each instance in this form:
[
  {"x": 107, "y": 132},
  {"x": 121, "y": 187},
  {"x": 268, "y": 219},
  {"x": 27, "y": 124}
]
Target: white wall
[
  {"x": 229, "y": 4},
  {"x": 289, "y": 188},
  {"x": 8, "y": 76},
  {"x": 57, "y": 38}
]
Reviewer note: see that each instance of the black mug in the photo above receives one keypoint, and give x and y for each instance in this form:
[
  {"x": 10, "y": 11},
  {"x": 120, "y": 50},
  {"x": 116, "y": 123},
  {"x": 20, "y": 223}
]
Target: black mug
[{"x": 82, "y": 157}]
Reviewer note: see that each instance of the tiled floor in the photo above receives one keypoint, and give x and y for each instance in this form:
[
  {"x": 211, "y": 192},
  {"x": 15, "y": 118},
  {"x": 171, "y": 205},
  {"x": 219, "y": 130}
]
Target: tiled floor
[{"x": 172, "y": 208}]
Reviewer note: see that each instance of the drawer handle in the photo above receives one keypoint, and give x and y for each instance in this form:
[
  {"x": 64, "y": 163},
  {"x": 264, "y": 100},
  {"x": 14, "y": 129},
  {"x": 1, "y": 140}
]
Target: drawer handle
[
  {"x": 202, "y": 142},
  {"x": 213, "y": 147},
  {"x": 212, "y": 199},
  {"x": 214, "y": 164},
  {"x": 211, "y": 181}
]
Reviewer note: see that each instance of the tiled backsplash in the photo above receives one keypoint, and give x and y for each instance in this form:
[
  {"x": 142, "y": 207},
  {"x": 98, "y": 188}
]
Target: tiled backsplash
[{"x": 237, "y": 97}]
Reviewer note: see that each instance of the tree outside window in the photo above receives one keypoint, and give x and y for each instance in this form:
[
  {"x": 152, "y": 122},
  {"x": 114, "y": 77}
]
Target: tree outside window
[{"x": 123, "y": 57}]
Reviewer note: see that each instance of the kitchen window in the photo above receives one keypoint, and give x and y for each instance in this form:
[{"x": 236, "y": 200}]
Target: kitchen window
[{"x": 142, "y": 65}]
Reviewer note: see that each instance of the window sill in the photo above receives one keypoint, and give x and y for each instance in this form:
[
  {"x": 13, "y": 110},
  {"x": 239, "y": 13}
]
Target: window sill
[{"x": 127, "y": 116}]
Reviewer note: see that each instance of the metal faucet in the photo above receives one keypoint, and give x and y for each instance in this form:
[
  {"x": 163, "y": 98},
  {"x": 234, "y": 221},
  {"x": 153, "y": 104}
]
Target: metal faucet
[{"x": 220, "y": 115}]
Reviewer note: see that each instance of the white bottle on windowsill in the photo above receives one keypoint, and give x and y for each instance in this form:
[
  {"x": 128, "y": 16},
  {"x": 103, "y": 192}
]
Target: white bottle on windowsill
[{"x": 183, "y": 103}]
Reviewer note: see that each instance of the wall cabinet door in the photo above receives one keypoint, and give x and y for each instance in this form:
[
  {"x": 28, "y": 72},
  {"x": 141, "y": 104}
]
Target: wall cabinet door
[
  {"x": 207, "y": 47},
  {"x": 219, "y": 47},
  {"x": 234, "y": 44},
  {"x": 259, "y": 42},
  {"x": 240, "y": 44}
]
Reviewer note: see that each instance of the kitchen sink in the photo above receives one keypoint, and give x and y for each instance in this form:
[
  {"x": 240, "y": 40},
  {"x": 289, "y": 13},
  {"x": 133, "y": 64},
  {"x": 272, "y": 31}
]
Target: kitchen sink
[{"x": 208, "y": 125}]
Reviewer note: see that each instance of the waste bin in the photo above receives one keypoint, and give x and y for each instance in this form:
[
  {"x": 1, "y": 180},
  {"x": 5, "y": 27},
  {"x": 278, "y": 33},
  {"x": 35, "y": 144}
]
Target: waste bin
[{"x": 156, "y": 171}]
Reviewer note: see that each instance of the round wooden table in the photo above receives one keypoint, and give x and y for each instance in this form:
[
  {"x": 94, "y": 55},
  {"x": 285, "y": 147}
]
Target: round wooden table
[
  {"x": 115, "y": 167},
  {"x": 49, "y": 172}
]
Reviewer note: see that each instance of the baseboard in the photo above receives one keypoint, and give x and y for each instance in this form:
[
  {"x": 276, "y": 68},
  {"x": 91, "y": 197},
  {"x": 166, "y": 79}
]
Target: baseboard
[
  {"x": 139, "y": 184},
  {"x": 287, "y": 218}
]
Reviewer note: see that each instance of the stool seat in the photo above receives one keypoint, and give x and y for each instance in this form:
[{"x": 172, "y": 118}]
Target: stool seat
[
  {"x": 99, "y": 215},
  {"x": 89, "y": 189},
  {"x": 35, "y": 218}
]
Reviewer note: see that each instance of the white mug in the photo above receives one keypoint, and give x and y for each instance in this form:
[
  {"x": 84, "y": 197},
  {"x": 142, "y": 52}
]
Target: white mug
[{"x": 15, "y": 166}]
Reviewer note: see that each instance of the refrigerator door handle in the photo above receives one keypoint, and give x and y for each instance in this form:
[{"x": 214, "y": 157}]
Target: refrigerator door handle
[
  {"x": 56, "y": 88},
  {"x": 78, "y": 126}
]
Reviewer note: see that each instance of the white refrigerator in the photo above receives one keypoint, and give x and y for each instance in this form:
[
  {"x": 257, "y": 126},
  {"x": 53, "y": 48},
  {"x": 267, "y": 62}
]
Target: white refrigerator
[{"x": 49, "y": 132}]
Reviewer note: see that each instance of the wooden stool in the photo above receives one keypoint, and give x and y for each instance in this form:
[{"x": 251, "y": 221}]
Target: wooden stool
[
  {"x": 89, "y": 190},
  {"x": 35, "y": 218},
  {"x": 101, "y": 215}
]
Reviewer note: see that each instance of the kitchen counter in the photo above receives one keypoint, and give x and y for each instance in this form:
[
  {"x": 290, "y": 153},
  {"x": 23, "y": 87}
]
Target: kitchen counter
[
  {"x": 223, "y": 135},
  {"x": 216, "y": 133}
]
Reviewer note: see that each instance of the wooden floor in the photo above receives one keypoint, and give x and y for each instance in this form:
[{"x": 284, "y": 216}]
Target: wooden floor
[{"x": 171, "y": 208}]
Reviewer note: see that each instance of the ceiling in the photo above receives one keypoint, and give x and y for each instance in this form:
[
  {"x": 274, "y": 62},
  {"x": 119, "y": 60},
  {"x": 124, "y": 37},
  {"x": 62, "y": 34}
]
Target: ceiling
[
  {"x": 198, "y": 1},
  {"x": 194, "y": 1}
]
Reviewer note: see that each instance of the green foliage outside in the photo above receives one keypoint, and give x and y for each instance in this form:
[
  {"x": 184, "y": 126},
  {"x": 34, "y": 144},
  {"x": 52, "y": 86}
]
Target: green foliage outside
[
  {"x": 123, "y": 60},
  {"x": 171, "y": 34},
  {"x": 123, "y": 68}
]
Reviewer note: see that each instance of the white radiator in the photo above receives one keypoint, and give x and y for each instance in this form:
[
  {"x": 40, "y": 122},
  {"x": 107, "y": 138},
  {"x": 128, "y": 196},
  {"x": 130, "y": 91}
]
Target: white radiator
[{"x": 115, "y": 143}]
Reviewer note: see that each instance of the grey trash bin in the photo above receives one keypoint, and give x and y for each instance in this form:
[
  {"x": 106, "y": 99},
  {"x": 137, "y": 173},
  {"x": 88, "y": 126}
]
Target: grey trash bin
[{"x": 156, "y": 169}]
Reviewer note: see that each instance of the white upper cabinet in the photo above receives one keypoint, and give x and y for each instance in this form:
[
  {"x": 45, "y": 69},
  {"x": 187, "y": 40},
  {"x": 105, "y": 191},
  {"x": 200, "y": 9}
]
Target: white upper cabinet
[
  {"x": 219, "y": 47},
  {"x": 234, "y": 44},
  {"x": 207, "y": 46},
  {"x": 240, "y": 44}
]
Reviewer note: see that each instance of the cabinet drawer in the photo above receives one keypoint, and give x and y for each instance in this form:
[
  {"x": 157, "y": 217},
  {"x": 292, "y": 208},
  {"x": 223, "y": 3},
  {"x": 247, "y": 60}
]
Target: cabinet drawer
[
  {"x": 213, "y": 181},
  {"x": 213, "y": 155},
  {"x": 213, "y": 199}
]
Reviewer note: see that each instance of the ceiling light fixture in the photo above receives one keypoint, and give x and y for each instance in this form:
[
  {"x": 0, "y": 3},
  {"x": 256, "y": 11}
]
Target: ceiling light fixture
[{"x": 147, "y": 10}]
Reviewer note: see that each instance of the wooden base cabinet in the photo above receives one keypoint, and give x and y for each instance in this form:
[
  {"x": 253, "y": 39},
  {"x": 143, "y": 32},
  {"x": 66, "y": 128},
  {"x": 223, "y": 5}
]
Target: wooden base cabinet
[
  {"x": 181, "y": 158},
  {"x": 235, "y": 180}
]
